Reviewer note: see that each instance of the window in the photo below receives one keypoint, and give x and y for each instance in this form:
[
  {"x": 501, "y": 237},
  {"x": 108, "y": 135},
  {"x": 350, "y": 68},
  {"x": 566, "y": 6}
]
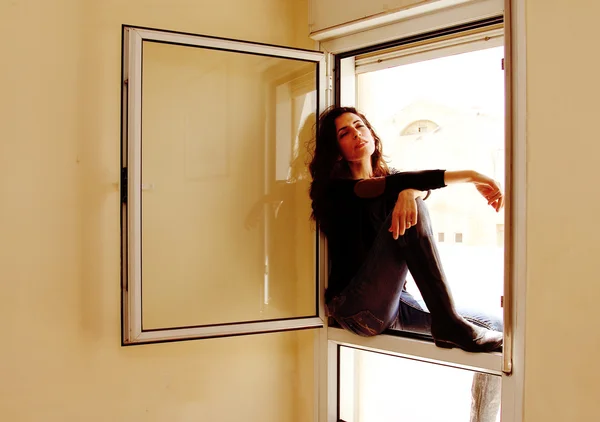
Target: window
[
  {"x": 216, "y": 237},
  {"x": 378, "y": 387},
  {"x": 419, "y": 127},
  {"x": 400, "y": 86},
  {"x": 466, "y": 102}
]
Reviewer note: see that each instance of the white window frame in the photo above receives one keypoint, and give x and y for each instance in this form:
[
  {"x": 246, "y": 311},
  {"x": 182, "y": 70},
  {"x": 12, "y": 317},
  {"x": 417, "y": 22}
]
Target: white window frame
[
  {"x": 131, "y": 187},
  {"x": 509, "y": 364}
]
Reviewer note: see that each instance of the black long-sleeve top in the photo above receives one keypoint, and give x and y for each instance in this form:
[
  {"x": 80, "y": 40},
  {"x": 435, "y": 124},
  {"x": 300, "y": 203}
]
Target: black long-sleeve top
[{"x": 356, "y": 218}]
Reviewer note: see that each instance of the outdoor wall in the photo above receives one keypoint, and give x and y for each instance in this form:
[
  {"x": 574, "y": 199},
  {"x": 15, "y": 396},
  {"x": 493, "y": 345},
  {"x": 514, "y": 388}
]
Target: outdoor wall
[
  {"x": 61, "y": 358},
  {"x": 563, "y": 285}
]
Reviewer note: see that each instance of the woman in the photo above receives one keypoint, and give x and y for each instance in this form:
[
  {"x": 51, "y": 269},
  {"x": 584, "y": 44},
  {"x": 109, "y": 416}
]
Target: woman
[{"x": 378, "y": 229}]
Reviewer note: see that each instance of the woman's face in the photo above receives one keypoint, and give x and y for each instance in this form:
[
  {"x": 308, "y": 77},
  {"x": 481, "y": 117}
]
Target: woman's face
[{"x": 354, "y": 138}]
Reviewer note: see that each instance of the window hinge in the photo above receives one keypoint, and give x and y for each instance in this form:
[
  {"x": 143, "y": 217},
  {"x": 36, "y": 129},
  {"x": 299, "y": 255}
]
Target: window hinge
[
  {"x": 124, "y": 185},
  {"x": 502, "y": 64}
]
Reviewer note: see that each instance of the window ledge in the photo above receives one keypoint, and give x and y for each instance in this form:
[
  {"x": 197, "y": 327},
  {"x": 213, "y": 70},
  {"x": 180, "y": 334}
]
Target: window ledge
[{"x": 419, "y": 349}]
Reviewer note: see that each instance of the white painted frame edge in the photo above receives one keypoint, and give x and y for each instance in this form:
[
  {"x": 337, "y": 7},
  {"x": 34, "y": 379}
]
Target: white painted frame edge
[
  {"x": 384, "y": 18},
  {"x": 422, "y": 350},
  {"x": 325, "y": 356},
  {"x": 513, "y": 385},
  {"x": 132, "y": 332},
  {"x": 228, "y": 44},
  {"x": 132, "y": 294},
  {"x": 459, "y": 14},
  {"x": 153, "y": 336},
  {"x": 459, "y": 45}
]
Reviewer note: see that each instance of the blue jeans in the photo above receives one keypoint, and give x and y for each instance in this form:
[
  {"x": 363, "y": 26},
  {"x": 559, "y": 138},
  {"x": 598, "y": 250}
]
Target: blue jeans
[{"x": 413, "y": 316}]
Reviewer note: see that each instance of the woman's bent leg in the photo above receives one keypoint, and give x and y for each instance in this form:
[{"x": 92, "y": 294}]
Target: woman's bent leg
[
  {"x": 448, "y": 328},
  {"x": 369, "y": 304},
  {"x": 413, "y": 316}
]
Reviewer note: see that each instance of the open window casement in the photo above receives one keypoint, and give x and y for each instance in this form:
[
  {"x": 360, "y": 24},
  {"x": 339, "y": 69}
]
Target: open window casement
[{"x": 215, "y": 223}]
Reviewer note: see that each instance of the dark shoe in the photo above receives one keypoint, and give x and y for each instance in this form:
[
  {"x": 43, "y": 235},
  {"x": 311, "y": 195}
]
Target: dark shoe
[{"x": 473, "y": 339}]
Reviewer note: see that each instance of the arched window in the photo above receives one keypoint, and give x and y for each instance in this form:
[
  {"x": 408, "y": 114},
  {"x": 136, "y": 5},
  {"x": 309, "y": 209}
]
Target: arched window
[{"x": 420, "y": 127}]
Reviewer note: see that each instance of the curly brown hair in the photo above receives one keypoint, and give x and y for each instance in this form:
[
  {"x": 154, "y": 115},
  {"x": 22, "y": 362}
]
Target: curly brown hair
[{"x": 327, "y": 163}]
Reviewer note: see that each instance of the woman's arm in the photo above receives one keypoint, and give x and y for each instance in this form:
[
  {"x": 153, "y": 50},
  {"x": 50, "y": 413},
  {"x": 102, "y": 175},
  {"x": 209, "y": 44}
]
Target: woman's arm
[
  {"x": 460, "y": 176},
  {"x": 405, "y": 211},
  {"x": 398, "y": 182},
  {"x": 487, "y": 187}
]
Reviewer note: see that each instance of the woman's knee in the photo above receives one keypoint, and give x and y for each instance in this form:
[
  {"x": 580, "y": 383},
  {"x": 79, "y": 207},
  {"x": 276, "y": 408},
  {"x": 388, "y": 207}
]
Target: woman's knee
[
  {"x": 423, "y": 226},
  {"x": 362, "y": 323}
]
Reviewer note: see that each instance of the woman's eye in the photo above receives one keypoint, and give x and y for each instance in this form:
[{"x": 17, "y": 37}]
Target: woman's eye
[{"x": 360, "y": 125}]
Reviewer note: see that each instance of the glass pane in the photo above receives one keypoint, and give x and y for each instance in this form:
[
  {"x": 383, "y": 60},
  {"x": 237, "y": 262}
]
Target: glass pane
[
  {"x": 448, "y": 113},
  {"x": 226, "y": 235},
  {"x": 381, "y": 388}
]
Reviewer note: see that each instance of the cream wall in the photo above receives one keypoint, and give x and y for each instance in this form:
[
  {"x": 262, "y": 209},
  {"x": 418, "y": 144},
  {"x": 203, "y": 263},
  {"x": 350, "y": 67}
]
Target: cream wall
[
  {"x": 60, "y": 358},
  {"x": 563, "y": 284}
]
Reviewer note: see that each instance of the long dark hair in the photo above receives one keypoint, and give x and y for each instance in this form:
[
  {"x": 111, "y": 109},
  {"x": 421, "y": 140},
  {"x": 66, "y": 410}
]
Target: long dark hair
[{"x": 327, "y": 162}]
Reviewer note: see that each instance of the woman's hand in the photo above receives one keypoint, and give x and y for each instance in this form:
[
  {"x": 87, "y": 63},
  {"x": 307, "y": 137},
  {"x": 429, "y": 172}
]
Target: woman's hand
[
  {"x": 490, "y": 190},
  {"x": 405, "y": 212}
]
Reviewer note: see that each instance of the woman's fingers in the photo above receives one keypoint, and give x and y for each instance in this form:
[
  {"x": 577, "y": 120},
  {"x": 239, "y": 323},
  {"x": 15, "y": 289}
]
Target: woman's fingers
[
  {"x": 401, "y": 222},
  {"x": 494, "y": 197},
  {"x": 492, "y": 193},
  {"x": 401, "y": 227},
  {"x": 398, "y": 224},
  {"x": 394, "y": 228},
  {"x": 499, "y": 203},
  {"x": 414, "y": 217},
  {"x": 404, "y": 215}
]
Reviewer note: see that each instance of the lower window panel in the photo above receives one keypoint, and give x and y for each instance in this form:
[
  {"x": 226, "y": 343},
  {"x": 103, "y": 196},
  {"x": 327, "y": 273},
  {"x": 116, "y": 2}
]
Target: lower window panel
[{"x": 375, "y": 387}]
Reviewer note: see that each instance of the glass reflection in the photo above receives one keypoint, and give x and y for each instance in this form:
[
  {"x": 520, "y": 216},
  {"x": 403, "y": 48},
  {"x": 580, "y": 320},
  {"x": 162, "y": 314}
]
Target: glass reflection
[{"x": 225, "y": 216}]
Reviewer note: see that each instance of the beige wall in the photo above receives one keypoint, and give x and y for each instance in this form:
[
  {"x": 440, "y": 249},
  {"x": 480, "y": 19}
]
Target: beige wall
[
  {"x": 60, "y": 358},
  {"x": 60, "y": 355},
  {"x": 563, "y": 64}
]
